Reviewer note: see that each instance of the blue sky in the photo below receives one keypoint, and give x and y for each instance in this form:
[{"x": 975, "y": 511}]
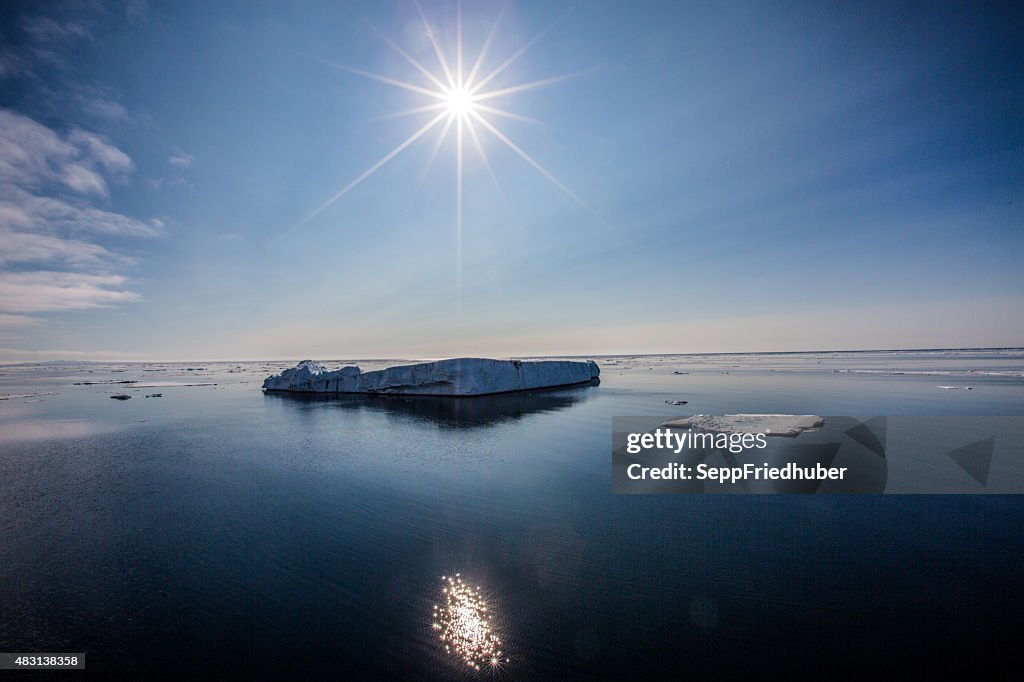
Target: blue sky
[{"x": 746, "y": 177}]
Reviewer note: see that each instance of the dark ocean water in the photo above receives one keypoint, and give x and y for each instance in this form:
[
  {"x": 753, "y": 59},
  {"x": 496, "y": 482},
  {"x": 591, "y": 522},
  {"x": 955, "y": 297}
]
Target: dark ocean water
[{"x": 217, "y": 530}]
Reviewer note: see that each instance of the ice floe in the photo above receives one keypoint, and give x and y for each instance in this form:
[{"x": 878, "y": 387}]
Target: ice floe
[
  {"x": 770, "y": 424},
  {"x": 454, "y": 377}
]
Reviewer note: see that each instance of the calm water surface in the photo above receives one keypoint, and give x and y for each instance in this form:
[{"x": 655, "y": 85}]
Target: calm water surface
[{"x": 217, "y": 530}]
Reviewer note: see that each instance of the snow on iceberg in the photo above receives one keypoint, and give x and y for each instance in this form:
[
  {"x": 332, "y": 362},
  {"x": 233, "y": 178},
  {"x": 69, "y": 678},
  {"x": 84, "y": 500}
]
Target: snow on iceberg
[{"x": 455, "y": 377}]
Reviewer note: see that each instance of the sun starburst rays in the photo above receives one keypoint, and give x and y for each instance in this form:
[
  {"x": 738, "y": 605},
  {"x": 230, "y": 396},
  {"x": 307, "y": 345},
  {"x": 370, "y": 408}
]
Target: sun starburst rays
[{"x": 459, "y": 98}]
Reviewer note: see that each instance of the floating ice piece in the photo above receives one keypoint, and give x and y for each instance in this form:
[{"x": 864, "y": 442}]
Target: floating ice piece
[
  {"x": 172, "y": 384},
  {"x": 455, "y": 377},
  {"x": 15, "y": 396},
  {"x": 769, "y": 424},
  {"x": 109, "y": 381},
  {"x": 958, "y": 388},
  {"x": 1016, "y": 374}
]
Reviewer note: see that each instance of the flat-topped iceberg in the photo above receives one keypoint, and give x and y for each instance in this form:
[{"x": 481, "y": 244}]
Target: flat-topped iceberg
[
  {"x": 455, "y": 377},
  {"x": 769, "y": 424}
]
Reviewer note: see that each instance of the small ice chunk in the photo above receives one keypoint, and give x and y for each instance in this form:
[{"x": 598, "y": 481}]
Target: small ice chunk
[{"x": 15, "y": 396}]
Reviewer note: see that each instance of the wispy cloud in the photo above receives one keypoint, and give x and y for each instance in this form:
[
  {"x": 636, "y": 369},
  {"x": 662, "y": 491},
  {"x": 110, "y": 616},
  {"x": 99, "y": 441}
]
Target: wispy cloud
[
  {"x": 20, "y": 209},
  {"x": 44, "y": 29},
  {"x": 104, "y": 108},
  {"x": 11, "y": 355},
  {"x": 51, "y": 228},
  {"x": 136, "y": 10},
  {"x": 45, "y": 58},
  {"x": 27, "y": 247},
  {"x": 33, "y": 154},
  {"x": 48, "y": 291},
  {"x": 181, "y": 160},
  {"x": 62, "y": 234},
  {"x": 11, "y": 64},
  {"x": 51, "y": 42},
  {"x": 8, "y": 321},
  {"x": 101, "y": 152}
]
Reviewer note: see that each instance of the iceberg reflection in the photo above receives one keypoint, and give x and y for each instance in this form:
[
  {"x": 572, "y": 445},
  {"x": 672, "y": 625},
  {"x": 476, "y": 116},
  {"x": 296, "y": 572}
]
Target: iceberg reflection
[{"x": 447, "y": 411}]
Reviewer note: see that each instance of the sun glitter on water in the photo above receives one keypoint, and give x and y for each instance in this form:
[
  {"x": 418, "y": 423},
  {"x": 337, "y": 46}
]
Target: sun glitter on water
[{"x": 463, "y": 621}]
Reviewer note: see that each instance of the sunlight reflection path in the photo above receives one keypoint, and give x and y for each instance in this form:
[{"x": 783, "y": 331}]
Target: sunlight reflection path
[{"x": 463, "y": 621}]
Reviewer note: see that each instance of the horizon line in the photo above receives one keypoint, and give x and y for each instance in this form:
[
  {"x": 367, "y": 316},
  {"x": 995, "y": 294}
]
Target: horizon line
[{"x": 515, "y": 357}]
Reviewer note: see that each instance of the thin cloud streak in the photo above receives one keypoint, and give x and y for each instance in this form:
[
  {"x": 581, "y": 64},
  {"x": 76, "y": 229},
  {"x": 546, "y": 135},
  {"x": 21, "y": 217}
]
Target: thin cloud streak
[
  {"x": 15, "y": 355},
  {"x": 27, "y": 247},
  {"x": 8, "y": 321},
  {"x": 181, "y": 160},
  {"x": 23, "y": 210},
  {"x": 48, "y": 291}
]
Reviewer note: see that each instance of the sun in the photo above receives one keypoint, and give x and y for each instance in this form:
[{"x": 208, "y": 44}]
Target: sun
[{"x": 459, "y": 102}]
